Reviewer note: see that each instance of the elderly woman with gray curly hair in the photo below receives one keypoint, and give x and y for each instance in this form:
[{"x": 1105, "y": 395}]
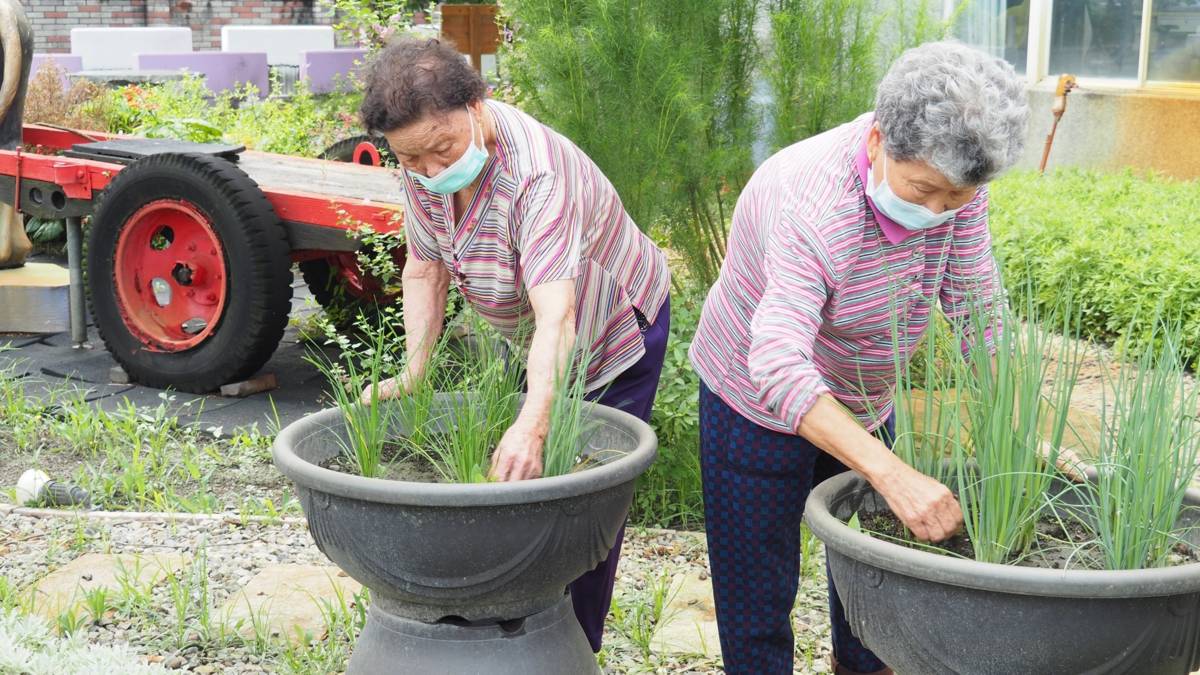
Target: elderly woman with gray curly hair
[{"x": 839, "y": 249}]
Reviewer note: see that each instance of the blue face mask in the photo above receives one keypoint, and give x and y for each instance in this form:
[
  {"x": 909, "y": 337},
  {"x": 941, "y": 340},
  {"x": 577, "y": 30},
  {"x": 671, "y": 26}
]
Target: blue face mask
[
  {"x": 463, "y": 171},
  {"x": 910, "y": 216}
]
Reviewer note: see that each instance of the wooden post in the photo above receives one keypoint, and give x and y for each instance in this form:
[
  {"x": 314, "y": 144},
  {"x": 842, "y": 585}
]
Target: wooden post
[{"x": 472, "y": 29}]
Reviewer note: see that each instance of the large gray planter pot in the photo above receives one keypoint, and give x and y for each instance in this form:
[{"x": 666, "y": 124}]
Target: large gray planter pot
[
  {"x": 930, "y": 614},
  {"x": 469, "y": 578}
]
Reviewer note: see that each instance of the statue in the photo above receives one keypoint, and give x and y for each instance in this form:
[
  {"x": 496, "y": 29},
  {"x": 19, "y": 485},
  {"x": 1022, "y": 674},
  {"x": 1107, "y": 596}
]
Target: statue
[{"x": 16, "y": 55}]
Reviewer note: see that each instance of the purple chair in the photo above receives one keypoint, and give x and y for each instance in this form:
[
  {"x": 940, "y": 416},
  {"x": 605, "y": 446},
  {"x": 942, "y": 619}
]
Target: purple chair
[
  {"x": 327, "y": 70},
  {"x": 68, "y": 63},
  {"x": 222, "y": 71}
]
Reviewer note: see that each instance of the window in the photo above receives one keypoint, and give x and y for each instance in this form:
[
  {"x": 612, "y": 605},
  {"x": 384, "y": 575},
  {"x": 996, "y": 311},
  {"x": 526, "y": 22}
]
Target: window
[
  {"x": 998, "y": 27},
  {"x": 1096, "y": 38},
  {"x": 1175, "y": 41},
  {"x": 1141, "y": 41}
]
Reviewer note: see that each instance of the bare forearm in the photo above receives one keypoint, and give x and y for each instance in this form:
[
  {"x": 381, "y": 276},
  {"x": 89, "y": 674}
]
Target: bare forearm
[
  {"x": 425, "y": 293},
  {"x": 829, "y": 427},
  {"x": 549, "y": 350}
]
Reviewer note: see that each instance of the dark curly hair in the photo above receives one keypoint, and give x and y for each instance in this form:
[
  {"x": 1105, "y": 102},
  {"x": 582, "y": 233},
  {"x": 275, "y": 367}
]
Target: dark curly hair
[{"x": 411, "y": 78}]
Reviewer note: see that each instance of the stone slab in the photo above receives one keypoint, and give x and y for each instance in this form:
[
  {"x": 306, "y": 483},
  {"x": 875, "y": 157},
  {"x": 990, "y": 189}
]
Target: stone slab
[
  {"x": 689, "y": 621},
  {"x": 282, "y": 44},
  {"x": 110, "y": 48},
  {"x": 222, "y": 71},
  {"x": 288, "y": 599},
  {"x": 66, "y": 587}
]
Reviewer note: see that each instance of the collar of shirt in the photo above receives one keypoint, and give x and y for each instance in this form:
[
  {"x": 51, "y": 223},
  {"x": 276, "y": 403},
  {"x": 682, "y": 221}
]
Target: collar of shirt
[{"x": 892, "y": 230}]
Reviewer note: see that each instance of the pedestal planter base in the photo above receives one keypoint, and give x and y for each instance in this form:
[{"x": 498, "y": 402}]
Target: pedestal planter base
[{"x": 548, "y": 642}]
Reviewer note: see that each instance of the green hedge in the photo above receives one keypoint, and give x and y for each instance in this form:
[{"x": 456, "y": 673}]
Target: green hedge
[{"x": 1126, "y": 247}]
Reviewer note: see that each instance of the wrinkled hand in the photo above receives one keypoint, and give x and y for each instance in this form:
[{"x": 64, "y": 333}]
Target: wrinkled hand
[
  {"x": 393, "y": 387},
  {"x": 924, "y": 505},
  {"x": 1068, "y": 462},
  {"x": 519, "y": 454}
]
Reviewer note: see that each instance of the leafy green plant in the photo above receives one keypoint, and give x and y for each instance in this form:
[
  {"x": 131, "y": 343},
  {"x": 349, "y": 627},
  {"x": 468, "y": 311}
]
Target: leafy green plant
[
  {"x": 1147, "y": 457},
  {"x": 96, "y": 601},
  {"x": 569, "y": 423},
  {"x": 1002, "y": 473},
  {"x": 483, "y": 409},
  {"x": 611, "y": 75},
  {"x": 1125, "y": 242},
  {"x": 367, "y": 424},
  {"x": 926, "y": 438},
  {"x": 827, "y": 56},
  {"x": 637, "y": 620},
  {"x": 669, "y": 494},
  {"x": 826, "y": 64},
  {"x": 373, "y": 23}
]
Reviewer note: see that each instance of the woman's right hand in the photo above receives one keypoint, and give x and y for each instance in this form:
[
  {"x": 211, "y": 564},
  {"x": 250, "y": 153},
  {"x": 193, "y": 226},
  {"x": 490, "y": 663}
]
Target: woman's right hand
[
  {"x": 924, "y": 505},
  {"x": 393, "y": 387}
]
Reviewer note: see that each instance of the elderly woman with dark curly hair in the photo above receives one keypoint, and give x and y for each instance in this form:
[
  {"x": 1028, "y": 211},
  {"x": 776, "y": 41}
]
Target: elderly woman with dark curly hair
[
  {"x": 531, "y": 233},
  {"x": 834, "y": 241}
]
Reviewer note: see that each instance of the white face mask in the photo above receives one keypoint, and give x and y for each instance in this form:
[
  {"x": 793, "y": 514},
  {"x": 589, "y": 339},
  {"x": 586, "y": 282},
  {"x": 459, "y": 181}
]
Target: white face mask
[
  {"x": 463, "y": 171},
  {"x": 910, "y": 216}
]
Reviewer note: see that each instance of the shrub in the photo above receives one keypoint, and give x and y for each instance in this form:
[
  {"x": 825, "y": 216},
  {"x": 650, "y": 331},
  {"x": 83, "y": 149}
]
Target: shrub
[
  {"x": 669, "y": 493},
  {"x": 48, "y": 102},
  {"x": 1125, "y": 243},
  {"x": 657, "y": 94}
]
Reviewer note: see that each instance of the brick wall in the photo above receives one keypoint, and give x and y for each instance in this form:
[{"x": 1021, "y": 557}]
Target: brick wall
[{"x": 53, "y": 19}]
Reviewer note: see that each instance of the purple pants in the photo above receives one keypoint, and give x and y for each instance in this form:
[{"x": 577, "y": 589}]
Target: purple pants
[{"x": 633, "y": 391}]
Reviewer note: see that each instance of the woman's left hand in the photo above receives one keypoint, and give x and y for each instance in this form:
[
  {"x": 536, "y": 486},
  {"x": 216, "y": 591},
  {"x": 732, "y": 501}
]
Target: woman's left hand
[{"x": 519, "y": 454}]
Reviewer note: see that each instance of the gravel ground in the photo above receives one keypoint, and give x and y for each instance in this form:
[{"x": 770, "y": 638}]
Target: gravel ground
[{"x": 30, "y": 547}]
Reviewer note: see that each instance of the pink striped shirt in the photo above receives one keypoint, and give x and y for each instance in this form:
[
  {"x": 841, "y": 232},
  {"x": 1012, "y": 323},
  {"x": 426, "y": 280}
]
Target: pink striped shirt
[
  {"x": 815, "y": 279},
  {"x": 544, "y": 212}
]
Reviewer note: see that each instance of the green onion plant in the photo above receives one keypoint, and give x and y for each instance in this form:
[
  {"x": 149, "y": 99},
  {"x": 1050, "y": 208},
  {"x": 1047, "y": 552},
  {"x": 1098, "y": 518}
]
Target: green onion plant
[
  {"x": 1147, "y": 456},
  {"x": 1015, "y": 405}
]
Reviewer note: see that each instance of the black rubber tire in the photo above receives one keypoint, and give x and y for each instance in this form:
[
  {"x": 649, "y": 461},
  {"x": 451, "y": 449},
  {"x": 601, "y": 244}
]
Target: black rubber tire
[
  {"x": 257, "y": 265},
  {"x": 343, "y": 150},
  {"x": 343, "y": 308}
]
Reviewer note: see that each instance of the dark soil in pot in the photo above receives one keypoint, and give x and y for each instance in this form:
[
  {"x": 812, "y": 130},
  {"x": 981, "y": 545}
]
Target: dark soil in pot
[
  {"x": 1061, "y": 543},
  {"x": 398, "y": 461}
]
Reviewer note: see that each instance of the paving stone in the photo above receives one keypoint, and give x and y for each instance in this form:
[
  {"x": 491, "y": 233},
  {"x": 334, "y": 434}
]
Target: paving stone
[
  {"x": 288, "y": 599},
  {"x": 66, "y": 587},
  {"x": 689, "y": 621}
]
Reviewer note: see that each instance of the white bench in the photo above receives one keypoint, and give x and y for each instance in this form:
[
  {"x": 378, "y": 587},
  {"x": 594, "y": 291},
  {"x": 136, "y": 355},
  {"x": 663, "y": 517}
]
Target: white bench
[
  {"x": 284, "y": 45},
  {"x": 117, "y": 48}
]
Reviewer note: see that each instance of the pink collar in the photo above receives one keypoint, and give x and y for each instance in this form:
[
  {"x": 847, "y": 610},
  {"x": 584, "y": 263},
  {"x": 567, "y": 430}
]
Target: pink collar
[{"x": 891, "y": 230}]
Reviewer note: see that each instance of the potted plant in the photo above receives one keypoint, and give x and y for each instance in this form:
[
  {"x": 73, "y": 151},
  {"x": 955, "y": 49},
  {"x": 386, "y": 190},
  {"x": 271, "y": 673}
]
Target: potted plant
[
  {"x": 465, "y": 575},
  {"x": 1050, "y": 576}
]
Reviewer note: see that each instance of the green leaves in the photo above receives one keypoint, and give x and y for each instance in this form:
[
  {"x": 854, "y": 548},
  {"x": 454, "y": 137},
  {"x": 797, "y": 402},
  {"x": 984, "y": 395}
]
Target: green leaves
[
  {"x": 1125, "y": 243},
  {"x": 1147, "y": 457}
]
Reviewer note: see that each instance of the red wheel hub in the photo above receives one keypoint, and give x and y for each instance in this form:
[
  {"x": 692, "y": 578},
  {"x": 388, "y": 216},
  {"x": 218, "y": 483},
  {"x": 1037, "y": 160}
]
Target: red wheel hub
[
  {"x": 358, "y": 283},
  {"x": 366, "y": 153},
  {"x": 170, "y": 276}
]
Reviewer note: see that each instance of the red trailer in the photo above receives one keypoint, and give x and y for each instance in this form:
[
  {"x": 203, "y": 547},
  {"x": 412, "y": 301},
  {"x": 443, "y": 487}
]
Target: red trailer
[{"x": 191, "y": 246}]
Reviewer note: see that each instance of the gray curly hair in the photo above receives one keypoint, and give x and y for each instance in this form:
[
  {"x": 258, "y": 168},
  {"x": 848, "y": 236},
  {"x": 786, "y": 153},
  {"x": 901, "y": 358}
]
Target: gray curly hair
[{"x": 956, "y": 108}]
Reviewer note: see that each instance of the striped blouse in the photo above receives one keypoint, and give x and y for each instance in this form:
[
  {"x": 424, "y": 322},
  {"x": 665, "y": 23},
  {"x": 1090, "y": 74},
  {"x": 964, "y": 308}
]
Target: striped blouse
[
  {"x": 544, "y": 212},
  {"x": 816, "y": 283}
]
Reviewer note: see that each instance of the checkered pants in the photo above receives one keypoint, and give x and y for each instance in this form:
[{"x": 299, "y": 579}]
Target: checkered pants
[{"x": 755, "y": 484}]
